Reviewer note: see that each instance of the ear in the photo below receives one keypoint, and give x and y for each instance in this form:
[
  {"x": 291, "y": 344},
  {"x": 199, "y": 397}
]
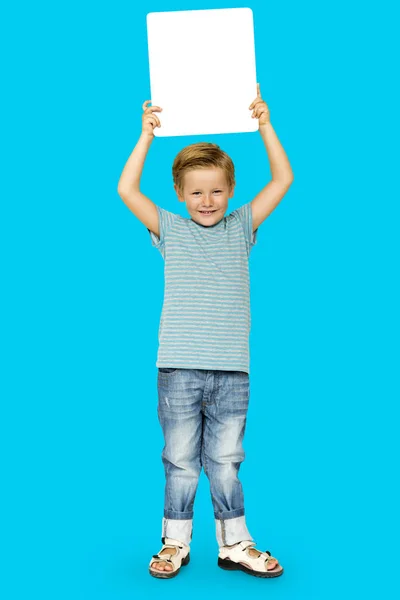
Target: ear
[{"x": 180, "y": 198}]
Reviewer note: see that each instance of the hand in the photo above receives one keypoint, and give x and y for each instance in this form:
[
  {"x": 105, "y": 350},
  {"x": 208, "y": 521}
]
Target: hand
[
  {"x": 260, "y": 109},
  {"x": 150, "y": 121}
]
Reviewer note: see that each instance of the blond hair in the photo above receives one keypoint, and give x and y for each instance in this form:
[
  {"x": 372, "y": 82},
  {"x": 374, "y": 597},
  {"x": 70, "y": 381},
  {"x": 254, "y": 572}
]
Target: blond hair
[{"x": 202, "y": 155}]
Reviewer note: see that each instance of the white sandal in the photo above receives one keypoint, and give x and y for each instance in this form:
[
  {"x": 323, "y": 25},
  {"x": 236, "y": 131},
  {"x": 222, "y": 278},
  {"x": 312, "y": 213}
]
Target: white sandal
[
  {"x": 180, "y": 558},
  {"x": 238, "y": 557}
]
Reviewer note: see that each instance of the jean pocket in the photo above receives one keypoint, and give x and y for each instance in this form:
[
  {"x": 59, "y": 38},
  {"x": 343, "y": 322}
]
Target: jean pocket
[{"x": 166, "y": 370}]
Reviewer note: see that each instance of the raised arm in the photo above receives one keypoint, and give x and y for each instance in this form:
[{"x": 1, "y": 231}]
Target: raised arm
[
  {"x": 129, "y": 183},
  {"x": 282, "y": 175}
]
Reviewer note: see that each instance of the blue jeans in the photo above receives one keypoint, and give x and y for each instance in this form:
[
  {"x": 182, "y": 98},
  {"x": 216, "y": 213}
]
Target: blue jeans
[{"x": 203, "y": 417}]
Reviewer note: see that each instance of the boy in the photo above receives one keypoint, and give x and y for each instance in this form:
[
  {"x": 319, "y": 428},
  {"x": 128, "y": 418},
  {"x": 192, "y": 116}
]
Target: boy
[{"x": 203, "y": 355}]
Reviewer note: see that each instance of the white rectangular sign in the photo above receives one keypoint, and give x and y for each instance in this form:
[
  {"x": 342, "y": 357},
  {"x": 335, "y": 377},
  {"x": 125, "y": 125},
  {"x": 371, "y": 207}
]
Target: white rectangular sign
[{"x": 202, "y": 70}]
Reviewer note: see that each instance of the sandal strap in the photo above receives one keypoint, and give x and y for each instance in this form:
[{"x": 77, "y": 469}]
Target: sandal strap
[
  {"x": 246, "y": 544},
  {"x": 162, "y": 558},
  {"x": 266, "y": 552},
  {"x": 173, "y": 542},
  {"x": 174, "y": 558},
  {"x": 271, "y": 558}
]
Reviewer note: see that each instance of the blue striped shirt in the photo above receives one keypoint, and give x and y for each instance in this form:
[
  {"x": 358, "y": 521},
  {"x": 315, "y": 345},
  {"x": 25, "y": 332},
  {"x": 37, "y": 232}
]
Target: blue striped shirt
[{"x": 205, "y": 318}]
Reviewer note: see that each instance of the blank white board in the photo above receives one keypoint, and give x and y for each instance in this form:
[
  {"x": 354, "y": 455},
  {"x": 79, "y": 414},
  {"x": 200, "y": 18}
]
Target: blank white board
[{"x": 202, "y": 70}]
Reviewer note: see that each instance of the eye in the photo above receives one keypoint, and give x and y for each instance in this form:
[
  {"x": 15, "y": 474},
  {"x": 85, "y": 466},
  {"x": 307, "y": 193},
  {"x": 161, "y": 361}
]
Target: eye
[{"x": 216, "y": 191}]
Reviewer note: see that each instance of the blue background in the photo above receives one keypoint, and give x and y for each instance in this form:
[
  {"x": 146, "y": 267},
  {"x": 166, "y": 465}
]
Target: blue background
[{"x": 82, "y": 292}]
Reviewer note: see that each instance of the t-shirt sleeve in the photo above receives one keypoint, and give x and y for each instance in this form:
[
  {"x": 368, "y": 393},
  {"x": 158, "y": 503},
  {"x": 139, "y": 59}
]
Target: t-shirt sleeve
[
  {"x": 165, "y": 221},
  {"x": 244, "y": 215}
]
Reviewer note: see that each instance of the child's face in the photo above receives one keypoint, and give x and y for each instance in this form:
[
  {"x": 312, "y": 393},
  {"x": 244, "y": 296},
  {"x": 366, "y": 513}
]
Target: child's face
[{"x": 205, "y": 190}]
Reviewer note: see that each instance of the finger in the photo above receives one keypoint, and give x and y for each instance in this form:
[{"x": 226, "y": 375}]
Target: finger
[
  {"x": 154, "y": 121},
  {"x": 258, "y": 110},
  {"x": 261, "y": 110},
  {"x": 151, "y": 108},
  {"x": 258, "y": 90},
  {"x": 145, "y": 107},
  {"x": 256, "y": 102}
]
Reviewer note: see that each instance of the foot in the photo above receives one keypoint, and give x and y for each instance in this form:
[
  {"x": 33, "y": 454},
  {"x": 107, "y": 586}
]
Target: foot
[
  {"x": 256, "y": 553},
  {"x": 177, "y": 555},
  {"x": 164, "y": 566},
  {"x": 272, "y": 562},
  {"x": 245, "y": 557}
]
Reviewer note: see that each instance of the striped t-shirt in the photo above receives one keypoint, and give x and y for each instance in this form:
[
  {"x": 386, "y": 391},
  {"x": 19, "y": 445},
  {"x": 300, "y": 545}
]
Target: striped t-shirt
[{"x": 205, "y": 318}]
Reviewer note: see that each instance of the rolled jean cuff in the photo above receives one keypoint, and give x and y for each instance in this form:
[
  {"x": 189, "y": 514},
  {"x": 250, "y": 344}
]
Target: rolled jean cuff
[
  {"x": 232, "y": 531},
  {"x": 229, "y": 514},
  {"x": 172, "y": 514},
  {"x": 178, "y": 529}
]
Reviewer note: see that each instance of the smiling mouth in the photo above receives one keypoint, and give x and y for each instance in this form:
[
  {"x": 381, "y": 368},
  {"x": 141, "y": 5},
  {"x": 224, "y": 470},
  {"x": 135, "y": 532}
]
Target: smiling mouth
[{"x": 206, "y": 212}]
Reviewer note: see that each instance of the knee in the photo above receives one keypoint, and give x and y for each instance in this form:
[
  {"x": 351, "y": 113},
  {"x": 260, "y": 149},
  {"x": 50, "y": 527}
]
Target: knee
[
  {"x": 222, "y": 466},
  {"x": 182, "y": 466}
]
